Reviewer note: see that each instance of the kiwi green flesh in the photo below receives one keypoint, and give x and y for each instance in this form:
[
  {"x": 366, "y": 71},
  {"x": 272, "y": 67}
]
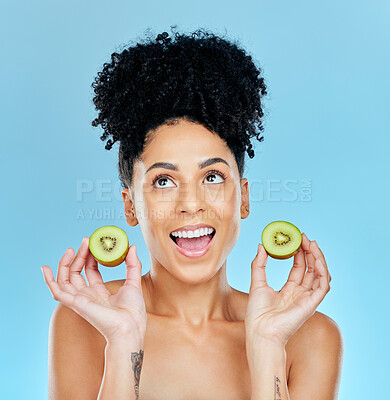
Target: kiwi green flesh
[
  {"x": 281, "y": 239},
  {"x": 109, "y": 245}
]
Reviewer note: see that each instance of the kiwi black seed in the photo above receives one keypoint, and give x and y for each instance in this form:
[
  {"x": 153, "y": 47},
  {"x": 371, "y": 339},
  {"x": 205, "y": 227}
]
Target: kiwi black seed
[
  {"x": 109, "y": 245},
  {"x": 281, "y": 239}
]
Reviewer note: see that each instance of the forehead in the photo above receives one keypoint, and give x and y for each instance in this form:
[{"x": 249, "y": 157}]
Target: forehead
[{"x": 183, "y": 142}]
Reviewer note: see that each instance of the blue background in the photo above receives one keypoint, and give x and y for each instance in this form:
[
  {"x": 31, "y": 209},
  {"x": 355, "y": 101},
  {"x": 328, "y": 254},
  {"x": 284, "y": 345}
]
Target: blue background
[{"x": 323, "y": 164}]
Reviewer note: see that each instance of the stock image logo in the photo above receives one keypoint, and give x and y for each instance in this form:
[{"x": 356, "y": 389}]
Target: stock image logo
[{"x": 107, "y": 194}]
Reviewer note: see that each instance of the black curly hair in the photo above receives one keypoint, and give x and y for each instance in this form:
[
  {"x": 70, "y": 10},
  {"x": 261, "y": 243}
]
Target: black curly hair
[{"x": 199, "y": 77}]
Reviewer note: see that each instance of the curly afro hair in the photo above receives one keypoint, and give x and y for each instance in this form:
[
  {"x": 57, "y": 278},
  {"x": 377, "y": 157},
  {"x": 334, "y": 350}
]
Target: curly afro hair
[{"x": 200, "y": 77}]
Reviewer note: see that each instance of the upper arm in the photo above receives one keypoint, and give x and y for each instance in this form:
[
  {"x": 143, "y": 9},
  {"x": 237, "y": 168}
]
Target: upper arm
[
  {"x": 317, "y": 360},
  {"x": 76, "y": 357}
]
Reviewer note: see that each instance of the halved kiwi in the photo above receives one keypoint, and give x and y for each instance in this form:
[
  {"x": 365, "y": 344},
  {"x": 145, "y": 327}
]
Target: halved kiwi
[
  {"x": 109, "y": 245},
  {"x": 281, "y": 239}
]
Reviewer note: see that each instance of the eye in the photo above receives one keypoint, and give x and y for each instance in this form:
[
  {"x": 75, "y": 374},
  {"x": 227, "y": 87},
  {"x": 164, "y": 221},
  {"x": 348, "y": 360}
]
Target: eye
[
  {"x": 161, "y": 178},
  {"x": 164, "y": 178},
  {"x": 215, "y": 173}
]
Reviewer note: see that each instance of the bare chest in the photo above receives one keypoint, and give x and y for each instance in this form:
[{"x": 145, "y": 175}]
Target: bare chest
[{"x": 209, "y": 365}]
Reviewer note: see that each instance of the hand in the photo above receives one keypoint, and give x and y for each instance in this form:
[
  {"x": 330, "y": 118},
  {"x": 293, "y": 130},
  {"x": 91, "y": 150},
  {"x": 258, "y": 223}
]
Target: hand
[
  {"x": 115, "y": 316},
  {"x": 275, "y": 316}
]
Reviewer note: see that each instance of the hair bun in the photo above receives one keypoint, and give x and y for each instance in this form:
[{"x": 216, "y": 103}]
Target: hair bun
[
  {"x": 163, "y": 37},
  {"x": 201, "y": 76}
]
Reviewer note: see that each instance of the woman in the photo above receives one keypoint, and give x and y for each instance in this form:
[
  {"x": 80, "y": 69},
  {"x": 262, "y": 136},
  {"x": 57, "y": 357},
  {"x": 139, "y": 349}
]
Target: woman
[{"x": 184, "y": 111}]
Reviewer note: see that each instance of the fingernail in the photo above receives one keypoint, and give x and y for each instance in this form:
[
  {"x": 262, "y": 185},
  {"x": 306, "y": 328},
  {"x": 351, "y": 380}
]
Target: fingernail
[{"x": 259, "y": 248}]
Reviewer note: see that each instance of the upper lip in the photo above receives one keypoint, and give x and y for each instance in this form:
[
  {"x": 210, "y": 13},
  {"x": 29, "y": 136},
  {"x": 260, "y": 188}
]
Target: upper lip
[{"x": 192, "y": 227}]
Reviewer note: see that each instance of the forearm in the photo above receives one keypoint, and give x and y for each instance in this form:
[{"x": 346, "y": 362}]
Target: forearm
[
  {"x": 122, "y": 370},
  {"x": 267, "y": 366}
]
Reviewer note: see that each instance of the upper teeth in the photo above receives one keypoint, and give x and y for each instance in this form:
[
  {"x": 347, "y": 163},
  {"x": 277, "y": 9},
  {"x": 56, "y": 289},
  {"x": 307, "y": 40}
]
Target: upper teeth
[{"x": 190, "y": 234}]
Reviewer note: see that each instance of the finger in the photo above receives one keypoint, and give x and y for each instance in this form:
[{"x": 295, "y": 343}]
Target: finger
[
  {"x": 63, "y": 273},
  {"x": 317, "y": 253},
  {"x": 305, "y": 242},
  {"x": 55, "y": 289},
  {"x": 258, "y": 266},
  {"x": 299, "y": 267},
  {"x": 77, "y": 265},
  {"x": 323, "y": 287},
  {"x": 310, "y": 274},
  {"x": 316, "y": 282},
  {"x": 133, "y": 268},
  {"x": 92, "y": 271},
  {"x": 320, "y": 254}
]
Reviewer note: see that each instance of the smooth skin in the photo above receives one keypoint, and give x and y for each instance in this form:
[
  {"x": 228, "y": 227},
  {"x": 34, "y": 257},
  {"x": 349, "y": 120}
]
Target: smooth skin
[{"x": 194, "y": 323}]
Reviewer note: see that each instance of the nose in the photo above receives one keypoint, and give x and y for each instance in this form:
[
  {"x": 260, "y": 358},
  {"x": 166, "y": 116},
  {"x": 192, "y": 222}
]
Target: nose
[
  {"x": 189, "y": 199},
  {"x": 190, "y": 207}
]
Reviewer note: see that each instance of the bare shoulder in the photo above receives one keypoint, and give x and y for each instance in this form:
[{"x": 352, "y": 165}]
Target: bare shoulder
[
  {"x": 65, "y": 320},
  {"x": 75, "y": 356},
  {"x": 319, "y": 327},
  {"x": 113, "y": 286},
  {"x": 316, "y": 352},
  {"x": 76, "y": 351}
]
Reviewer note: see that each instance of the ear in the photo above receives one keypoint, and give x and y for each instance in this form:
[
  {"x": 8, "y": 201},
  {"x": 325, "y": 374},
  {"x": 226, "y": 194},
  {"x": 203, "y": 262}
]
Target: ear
[
  {"x": 244, "y": 198},
  {"x": 128, "y": 203}
]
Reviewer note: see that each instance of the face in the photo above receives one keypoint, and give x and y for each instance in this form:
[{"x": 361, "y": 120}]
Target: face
[{"x": 184, "y": 192}]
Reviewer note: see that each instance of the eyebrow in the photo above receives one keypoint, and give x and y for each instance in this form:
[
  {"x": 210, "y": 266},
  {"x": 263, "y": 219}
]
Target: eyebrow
[{"x": 174, "y": 167}]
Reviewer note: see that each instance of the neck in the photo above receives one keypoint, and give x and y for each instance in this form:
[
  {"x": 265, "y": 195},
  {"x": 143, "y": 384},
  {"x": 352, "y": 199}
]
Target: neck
[{"x": 188, "y": 299}]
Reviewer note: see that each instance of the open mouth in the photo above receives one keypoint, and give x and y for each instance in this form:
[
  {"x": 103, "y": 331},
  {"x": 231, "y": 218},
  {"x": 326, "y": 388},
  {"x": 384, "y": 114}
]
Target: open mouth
[{"x": 194, "y": 243}]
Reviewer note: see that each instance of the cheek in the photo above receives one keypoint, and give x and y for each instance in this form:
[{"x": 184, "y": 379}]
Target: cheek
[
  {"x": 226, "y": 196},
  {"x": 227, "y": 205},
  {"x": 157, "y": 204},
  {"x": 153, "y": 232},
  {"x": 219, "y": 195}
]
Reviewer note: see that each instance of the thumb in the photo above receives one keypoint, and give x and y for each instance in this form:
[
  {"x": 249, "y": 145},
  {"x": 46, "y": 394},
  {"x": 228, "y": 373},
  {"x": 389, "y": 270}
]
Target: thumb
[
  {"x": 258, "y": 274},
  {"x": 133, "y": 268}
]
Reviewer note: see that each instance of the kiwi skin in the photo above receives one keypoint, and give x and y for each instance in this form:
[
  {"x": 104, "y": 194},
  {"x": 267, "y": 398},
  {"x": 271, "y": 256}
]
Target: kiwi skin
[
  {"x": 285, "y": 257},
  {"x": 282, "y": 257}
]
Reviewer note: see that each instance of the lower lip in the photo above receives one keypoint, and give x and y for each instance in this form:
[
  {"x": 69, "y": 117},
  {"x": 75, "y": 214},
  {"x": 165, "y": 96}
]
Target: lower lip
[{"x": 194, "y": 254}]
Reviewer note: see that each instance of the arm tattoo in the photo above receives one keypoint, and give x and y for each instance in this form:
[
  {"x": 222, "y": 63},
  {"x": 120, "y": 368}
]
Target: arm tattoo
[
  {"x": 277, "y": 394},
  {"x": 136, "y": 360}
]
